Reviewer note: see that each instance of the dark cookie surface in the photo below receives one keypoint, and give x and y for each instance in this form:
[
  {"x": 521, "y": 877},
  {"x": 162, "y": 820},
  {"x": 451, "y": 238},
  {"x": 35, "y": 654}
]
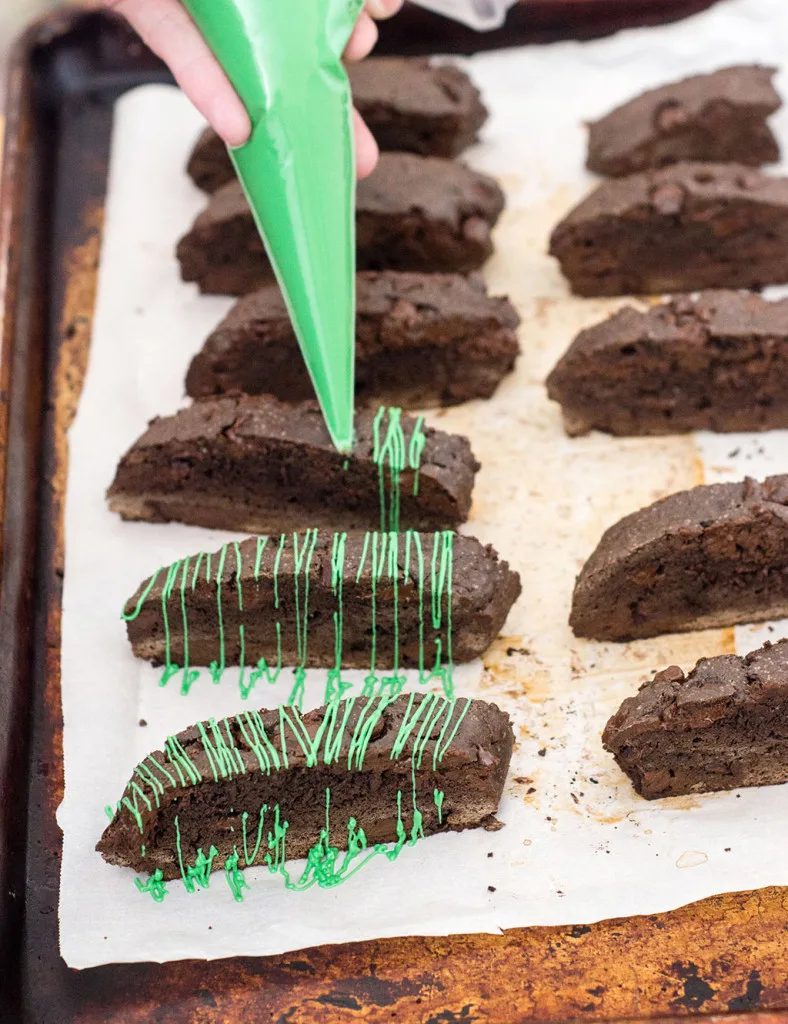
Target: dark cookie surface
[
  {"x": 683, "y": 228},
  {"x": 413, "y": 213},
  {"x": 716, "y": 362},
  {"x": 712, "y": 556},
  {"x": 408, "y": 104},
  {"x": 718, "y": 118},
  {"x": 722, "y": 726}
]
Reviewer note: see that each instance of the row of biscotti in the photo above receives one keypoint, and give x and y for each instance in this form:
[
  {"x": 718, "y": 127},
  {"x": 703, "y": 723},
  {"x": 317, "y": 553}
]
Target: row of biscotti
[
  {"x": 692, "y": 211},
  {"x": 426, "y": 334},
  {"x": 711, "y": 557}
]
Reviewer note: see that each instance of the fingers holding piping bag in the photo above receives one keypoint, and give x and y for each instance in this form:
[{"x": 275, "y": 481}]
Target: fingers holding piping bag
[
  {"x": 166, "y": 27},
  {"x": 361, "y": 42},
  {"x": 365, "y": 34}
]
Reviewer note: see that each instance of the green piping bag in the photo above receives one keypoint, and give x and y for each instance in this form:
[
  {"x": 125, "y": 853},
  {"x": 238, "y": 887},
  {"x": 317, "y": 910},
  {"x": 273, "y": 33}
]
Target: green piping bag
[{"x": 284, "y": 58}]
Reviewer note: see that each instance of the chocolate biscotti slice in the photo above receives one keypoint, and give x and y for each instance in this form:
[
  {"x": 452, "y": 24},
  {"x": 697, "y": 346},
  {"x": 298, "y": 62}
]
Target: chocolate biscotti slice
[
  {"x": 719, "y": 118},
  {"x": 722, "y": 726},
  {"x": 412, "y": 213},
  {"x": 408, "y": 104},
  {"x": 325, "y": 600},
  {"x": 704, "y": 558},
  {"x": 683, "y": 228},
  {"x": 715, "y": 362},
  {"x": 267, "y": 787},
  {"x": 258, "y": 465},
  {"x": 422, "y": 340}
]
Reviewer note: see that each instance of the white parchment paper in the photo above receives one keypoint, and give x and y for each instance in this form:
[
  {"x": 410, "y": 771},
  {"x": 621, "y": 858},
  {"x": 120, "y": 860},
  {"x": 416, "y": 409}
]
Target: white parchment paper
[{"x": 578, "y": 842}]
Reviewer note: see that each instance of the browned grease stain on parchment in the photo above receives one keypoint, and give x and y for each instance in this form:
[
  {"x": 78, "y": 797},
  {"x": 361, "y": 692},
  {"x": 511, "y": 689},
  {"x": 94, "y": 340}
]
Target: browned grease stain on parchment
[{"x": 511, "y": 668}]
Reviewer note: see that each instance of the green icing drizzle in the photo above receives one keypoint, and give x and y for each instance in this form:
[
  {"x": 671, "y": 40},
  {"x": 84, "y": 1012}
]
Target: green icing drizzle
[
  {"x": 389, "y": 449},
  {"x": 303, "y": 561},
  {"x": 155, "y": 886},
  {"x": 217, "y": 668},
  {"x": 437, "y": 796},
  {"x": 189, "y": 677},
  {"x": 235, "y": 877}
]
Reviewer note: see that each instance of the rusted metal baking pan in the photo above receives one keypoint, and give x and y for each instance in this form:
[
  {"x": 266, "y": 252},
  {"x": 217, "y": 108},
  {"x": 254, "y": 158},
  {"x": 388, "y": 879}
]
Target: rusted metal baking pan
[{"x": 725, "y": 955}]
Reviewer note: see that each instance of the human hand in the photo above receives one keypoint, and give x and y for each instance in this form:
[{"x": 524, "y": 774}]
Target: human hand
[{"x": 166, "y": 27}]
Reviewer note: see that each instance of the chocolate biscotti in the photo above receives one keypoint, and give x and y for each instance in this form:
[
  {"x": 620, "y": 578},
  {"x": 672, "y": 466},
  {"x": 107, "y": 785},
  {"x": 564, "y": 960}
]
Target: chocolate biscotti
[
  {"x": 715, "y": 362},
  {"x": 722, "y": 726},
  {"x": 408, "y": 104},
  {"x": 257, "y": 465},
  {"x": 422, "y": 340},
  {"x": 260, "y": 787},
  {"x": 322, "y": 600},
  {"x": 683, "y": 228},
  {"x": 713, "y": 556},
  {"x": 719, "y": 118},
  {"x": 412, "y": 213}
]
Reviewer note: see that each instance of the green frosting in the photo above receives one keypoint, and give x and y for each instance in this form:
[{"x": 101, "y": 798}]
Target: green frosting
[
  {"x": 284, "y": 58},
  {"x": 390, "y": 451}
]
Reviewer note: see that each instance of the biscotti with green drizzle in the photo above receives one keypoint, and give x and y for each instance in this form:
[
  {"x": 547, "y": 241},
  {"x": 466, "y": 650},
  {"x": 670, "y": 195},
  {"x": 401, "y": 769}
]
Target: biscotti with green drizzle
[
  {"x": 271, "y": 786},
  {"x": 324, "y": 600},
  {"x": 257, "y": 465}
]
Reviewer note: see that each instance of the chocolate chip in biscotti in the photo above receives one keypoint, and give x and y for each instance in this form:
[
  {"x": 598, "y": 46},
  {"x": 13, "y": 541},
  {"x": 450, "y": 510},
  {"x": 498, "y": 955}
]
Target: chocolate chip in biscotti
[
  {"x": 412, "y": 213},
  {"x": 722, "y": 726},
  {"x": 408, "y": 104},
  {"x": 713, "y": 556},
  {"x": 320, "y": 599},
  {"x": 717, "y": 118},
  {"x": 683, "y": 228},
  {"x": 396, "y": 768},
  {"x": 422, "y": 340},
  {"x": 257, "y": 465},
  {"x": 717, "y": 361}
]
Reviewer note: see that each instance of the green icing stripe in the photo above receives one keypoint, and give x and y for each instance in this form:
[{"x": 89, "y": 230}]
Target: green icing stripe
[
  {"x": 143, "y": 597},
  {"x": 389, "y": 451}
]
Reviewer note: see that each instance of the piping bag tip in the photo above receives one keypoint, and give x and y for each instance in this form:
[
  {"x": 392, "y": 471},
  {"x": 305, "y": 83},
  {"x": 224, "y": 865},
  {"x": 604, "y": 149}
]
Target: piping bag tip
[{"x": 298, "y": 170}]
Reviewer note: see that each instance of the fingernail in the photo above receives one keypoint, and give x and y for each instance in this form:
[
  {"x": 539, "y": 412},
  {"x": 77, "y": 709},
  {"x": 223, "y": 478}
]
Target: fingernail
[
  {"x": 233, "y": 125},
  {"x": 383, "y": 8}
]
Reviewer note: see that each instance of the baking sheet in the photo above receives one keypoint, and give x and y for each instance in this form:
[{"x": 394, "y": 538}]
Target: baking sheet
[{"x": 578, "y": 842}]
